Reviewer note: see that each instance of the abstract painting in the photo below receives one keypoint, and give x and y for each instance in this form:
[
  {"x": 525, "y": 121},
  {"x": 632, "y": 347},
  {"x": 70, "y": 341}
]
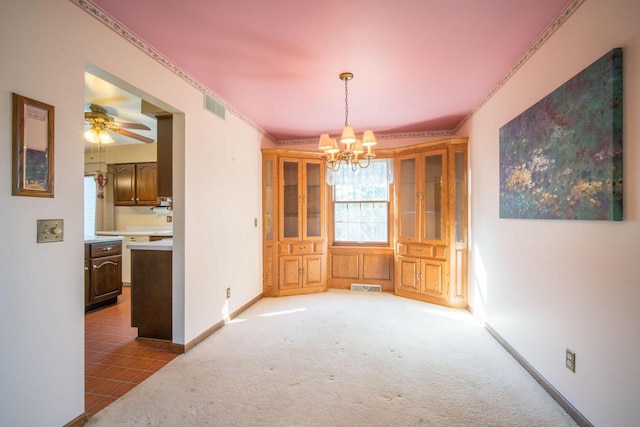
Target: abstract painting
[{"x": 562, "y": 157}]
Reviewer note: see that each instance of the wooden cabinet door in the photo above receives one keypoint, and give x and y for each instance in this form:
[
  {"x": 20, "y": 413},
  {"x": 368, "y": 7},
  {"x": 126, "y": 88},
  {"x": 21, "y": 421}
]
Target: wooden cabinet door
[
  {"x": 106, "y": 278},
  {"x": 165, "y": 155},
  {"x": 313, "y": 199},
  {"x": 146, "y": 184},
  {"x": 312, "y": 271},
  {"x": 408, "y": 274},
  {"x": 87, "y": 274},
  {"x": 290, "y": 199},
  {"x": 433, "y": 197},
  {"x": 124, "y": 185},
  {"x": 408, "y": 198},
  {"x": 290, "y": 272},
  {"x": 433, "y": 278}
]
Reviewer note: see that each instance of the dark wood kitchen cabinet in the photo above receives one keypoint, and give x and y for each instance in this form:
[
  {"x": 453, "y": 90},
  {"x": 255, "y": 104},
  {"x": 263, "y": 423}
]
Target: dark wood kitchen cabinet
[
  {"x": 135, "y": 184},
  {"x": 103, "y": 273},
  {"x": 151, "y": 293},
  {"x": 165, "y": 156}
]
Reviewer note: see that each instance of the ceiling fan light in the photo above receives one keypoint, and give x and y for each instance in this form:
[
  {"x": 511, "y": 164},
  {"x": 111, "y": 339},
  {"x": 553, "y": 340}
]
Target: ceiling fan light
[
  {"x": 91, "y": 135},
  {"x": 368, "y": 138},
  {"x": 104, "y": 137},
  {"x": 348, "y": 135}
]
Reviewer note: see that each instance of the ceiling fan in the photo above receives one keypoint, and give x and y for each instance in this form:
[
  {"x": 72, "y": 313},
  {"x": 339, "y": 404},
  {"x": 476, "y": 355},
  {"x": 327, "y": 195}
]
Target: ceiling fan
[{"x": 101, "y": 122}]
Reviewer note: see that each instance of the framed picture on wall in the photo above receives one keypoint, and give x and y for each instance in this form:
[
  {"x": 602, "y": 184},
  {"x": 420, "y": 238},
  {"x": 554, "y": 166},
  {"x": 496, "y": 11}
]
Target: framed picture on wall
[{"x": 33, "y": 140}]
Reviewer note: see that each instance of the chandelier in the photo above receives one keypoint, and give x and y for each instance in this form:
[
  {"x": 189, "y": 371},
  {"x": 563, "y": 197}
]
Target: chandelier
[
  {"x": 97, "y": 134},
  {"x": 353, "y": 154}
]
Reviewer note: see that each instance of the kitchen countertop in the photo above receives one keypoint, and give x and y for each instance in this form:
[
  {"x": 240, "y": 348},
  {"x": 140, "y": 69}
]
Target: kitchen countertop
[
  {"x": 96, "y": 239},
  {"x": 158, "y": 245},
  {"x": 134, "y": 233}
]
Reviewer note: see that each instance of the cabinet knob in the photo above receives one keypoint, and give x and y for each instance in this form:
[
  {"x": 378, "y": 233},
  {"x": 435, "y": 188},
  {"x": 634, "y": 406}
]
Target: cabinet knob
[{"x": 302, "y": 247}]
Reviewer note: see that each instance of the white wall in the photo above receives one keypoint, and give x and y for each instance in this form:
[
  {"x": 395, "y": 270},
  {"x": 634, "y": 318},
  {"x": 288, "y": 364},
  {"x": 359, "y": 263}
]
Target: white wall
[
  {"x": 548, "y": 285},
  {"x": 217, "y": 178}
]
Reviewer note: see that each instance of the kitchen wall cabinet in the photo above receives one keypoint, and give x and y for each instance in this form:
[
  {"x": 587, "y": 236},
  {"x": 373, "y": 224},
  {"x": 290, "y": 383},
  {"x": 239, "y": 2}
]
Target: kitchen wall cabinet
[
  {"x": 294, "y": 243},
  {"x": 165, "y": 155},
  {"x": 135, "y": 184},
  {"x": 431, "y": 252},
  {"x": 103, "y": 273}
]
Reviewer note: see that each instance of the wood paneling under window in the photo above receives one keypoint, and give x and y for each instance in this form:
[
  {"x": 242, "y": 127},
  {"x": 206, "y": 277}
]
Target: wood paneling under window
[{"x": 358, "y": 265}]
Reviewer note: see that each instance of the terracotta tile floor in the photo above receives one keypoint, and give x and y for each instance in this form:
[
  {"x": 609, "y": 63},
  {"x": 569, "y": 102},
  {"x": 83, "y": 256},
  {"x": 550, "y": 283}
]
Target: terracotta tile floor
[{"x": 115, "y": 361}]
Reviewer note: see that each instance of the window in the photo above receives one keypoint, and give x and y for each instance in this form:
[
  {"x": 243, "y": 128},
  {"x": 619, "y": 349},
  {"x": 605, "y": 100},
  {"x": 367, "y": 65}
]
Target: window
[
  {"x": 361, "y": 203},
  {"x": 89, "y": 206}
]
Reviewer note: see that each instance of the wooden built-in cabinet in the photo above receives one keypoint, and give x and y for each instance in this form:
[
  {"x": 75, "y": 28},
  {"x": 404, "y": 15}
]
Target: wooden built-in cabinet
[
  {"x": 426, "y": 258},
  {"x": 103, "y": 273},
  {"x": 431, "y": 230},
  {"x": 294, "y": 209},
  {"x": 135, "y": 184}
]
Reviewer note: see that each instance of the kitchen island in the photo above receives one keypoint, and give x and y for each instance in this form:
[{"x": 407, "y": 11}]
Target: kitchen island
[
  {"x": 151, "y": 288},
  {"x": 136, "y": 234}
]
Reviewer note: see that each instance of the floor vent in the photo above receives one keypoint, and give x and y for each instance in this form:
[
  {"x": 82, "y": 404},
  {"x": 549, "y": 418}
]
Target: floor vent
[
  {"x": 214, "y": 105},
  {"x": 365, "y": 288}
]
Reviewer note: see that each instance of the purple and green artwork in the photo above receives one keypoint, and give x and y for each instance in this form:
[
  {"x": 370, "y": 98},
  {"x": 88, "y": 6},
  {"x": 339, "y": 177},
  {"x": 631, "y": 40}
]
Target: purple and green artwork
[{"x": 562, "y": 157}]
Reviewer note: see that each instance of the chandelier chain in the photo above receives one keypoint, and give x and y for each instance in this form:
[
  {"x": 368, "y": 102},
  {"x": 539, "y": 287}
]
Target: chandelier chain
[{"x": 346, "y": 103}]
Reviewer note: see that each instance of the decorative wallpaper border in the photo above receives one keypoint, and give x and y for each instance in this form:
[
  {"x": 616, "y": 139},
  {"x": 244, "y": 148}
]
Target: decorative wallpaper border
[
  {"x": 127, "y": 34},
  {"x": 424, "y": 134}
]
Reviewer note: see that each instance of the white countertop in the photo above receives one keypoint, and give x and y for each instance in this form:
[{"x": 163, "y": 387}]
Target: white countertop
[
  {"x": 135, "y": 233},
  {"x": 96, "y": 239},
  {"x": 157, "y": 245}
]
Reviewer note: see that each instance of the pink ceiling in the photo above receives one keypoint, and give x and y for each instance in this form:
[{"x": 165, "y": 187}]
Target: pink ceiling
[{"x": 419, "y": 65}]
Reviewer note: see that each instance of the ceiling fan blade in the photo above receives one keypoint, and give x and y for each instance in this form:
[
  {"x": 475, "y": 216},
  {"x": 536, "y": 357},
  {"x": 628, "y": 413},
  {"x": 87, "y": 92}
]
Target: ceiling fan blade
[
  {"x": 132, "y": 135},
  {"x": 138, "y": 126}
]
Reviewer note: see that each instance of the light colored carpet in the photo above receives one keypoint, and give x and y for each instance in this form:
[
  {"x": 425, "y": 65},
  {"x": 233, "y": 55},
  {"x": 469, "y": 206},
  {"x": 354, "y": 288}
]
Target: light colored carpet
[{"x": 341, "y": 358}]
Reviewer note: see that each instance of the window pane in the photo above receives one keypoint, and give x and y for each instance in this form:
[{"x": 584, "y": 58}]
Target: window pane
[
  {"x": 363, "y": 184},
  {"x": 341, "y": 231},
  {"x": 361, "y": 204},
  {"x": 340, "y": 212},
  {"x": 361, "y": 222}
]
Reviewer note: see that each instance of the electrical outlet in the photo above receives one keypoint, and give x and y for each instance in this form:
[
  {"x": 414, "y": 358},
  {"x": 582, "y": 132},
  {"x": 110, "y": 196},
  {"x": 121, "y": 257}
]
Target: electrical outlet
[
  {"x": 571, "y": 360},
  {"x": 228, "y": 293}
]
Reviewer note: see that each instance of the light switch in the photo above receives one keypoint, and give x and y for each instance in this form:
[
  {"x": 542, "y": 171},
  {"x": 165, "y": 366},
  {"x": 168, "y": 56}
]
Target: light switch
[{"x": 50, "y": 230}]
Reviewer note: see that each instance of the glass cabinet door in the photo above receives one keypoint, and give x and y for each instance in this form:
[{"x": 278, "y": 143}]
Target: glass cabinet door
[
  {"x": 313, "y": 199},
  {"x": 433, "y": 197},
  {"x": 268, "y": 199},
  {"x": 460, "y": 202},
  {"x": 290, "y": 199},
  {"x": 407, "y": 198}
]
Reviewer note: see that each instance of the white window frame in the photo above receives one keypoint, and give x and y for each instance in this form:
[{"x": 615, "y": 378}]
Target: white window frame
[{"x": 336, "y": 179}]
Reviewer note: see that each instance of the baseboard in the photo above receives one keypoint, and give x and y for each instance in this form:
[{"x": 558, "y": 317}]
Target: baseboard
[
  {"x": 555, "y": 394},
  {"x": 183, "y": 348},
  {"x": 78, "y": 421}
]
